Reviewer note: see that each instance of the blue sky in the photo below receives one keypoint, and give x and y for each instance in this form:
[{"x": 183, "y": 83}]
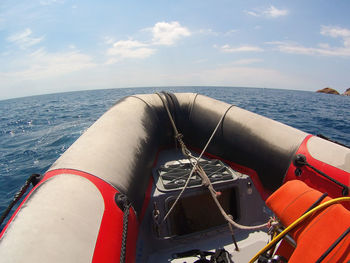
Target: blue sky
[{"x": 49, "y": 46}]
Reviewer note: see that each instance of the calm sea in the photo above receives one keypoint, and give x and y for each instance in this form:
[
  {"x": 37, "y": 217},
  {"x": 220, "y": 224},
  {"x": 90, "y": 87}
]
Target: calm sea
[{"x": 35, "y": 131}]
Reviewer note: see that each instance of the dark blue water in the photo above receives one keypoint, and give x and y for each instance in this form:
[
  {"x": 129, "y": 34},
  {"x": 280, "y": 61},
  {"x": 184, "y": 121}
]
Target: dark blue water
[{"x": 35, "y": 131}]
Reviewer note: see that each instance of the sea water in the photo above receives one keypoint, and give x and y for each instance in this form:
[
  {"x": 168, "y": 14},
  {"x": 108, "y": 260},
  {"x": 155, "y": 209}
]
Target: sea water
[{"x": 35, "y": 131}]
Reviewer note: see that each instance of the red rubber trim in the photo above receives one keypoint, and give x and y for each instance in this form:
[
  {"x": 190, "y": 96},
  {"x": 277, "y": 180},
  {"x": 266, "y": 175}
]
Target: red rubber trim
[
  {"x": 108, "y": 243},
  {"x": 316, "y": 181}
]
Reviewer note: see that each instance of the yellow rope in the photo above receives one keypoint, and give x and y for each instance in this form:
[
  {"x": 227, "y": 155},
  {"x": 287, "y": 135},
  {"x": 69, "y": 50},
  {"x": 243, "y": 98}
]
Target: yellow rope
[{"x": 295, "y": 223}]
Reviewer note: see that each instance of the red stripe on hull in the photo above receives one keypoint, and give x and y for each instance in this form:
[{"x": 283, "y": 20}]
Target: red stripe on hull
[
  {"x": 108, "y": 243},
  {"x": 316, "y": 181}
]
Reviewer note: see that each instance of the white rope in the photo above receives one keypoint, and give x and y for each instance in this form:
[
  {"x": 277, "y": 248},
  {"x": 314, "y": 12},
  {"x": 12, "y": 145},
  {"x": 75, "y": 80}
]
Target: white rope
[
  {"x": 208, "y": 184},
  {"x": 201, "y": 172},
  {"x": 195, "y": 165}
]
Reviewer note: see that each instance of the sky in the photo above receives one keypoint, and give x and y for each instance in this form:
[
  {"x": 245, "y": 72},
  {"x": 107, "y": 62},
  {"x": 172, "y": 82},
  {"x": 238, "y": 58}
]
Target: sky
[{"x": 50, "y": 46}]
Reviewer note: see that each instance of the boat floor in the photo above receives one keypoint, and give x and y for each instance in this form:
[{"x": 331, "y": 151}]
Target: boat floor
[
  {"x": 249, "y": 244},
  {"x": 252, "y": 209}
]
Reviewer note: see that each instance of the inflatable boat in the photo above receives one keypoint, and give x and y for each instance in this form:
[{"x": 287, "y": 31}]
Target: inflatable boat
[{"x": 186, "y": 178}]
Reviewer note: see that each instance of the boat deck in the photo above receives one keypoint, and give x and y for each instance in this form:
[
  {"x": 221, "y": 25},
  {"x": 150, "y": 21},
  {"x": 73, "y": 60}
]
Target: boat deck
[
  {"x": 187, "y": 227},
  {"x": 249, "y": 243}
]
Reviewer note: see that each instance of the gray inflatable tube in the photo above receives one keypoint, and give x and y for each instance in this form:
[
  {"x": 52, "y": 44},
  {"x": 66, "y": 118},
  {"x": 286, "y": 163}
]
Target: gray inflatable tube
[{"x": 72, "y": 216}]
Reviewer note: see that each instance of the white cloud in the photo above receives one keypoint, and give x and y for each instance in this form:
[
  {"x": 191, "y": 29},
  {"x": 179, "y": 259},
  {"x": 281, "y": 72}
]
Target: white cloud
[
  {"x": 211, "y": 32},
  {"x": 42, "y": 65},
  {"x": 274, "y": 12},
  {"x": 230, "y": 32},
  {"x": 168, "y": 33},
  {"x": 129, "y": 49},
  {"x": 24, "y": 39},
  {"x": 163, "y": 33},
  {"x": 294, "y": 48},
  {"x": 271, "y": 12},
  {"x": 334, "y": 31},
  {"x": 247, "y": 61},
  {"x": 252, "y": 13},
  {"x": 323, "y": 49},
  {"x": 247, "y": 48}
]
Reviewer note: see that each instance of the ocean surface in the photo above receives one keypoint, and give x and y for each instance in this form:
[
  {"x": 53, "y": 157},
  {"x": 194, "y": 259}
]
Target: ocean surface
[{"x": 35, "y": 131}]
